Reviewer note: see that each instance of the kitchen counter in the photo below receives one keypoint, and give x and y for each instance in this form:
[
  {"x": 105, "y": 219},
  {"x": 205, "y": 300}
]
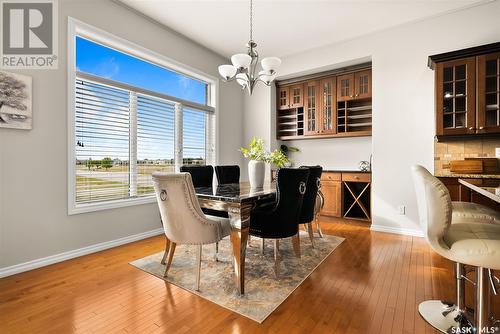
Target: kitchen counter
[{"x": 469, "y": 176}]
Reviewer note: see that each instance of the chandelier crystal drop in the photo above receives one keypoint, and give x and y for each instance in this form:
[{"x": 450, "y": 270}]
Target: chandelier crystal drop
[{"x": 244, "y": 65}]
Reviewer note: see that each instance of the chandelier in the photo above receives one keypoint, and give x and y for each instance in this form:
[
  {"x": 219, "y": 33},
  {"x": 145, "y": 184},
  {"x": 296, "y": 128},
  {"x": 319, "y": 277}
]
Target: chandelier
[{"x": 244, "y": 65}]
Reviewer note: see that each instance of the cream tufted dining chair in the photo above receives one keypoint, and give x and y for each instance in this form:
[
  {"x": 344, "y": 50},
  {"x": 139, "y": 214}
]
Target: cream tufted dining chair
[
  {"x": 470, "y": 243},
  {"x": 183, "y": 220}
]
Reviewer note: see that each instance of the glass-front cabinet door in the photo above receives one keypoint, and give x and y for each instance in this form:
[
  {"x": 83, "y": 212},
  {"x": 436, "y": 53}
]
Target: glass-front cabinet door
[
  {"x": 311, "y": 107},
  {"x": 296, "y": 100},
  {"x": 363, "y": 84},
  {"x": 345, "y": 87},
  {"x": 488, "y": 76},
  {"x": 328, "y": 104},
  {"x": 455, "y": 97},
  {"x": 283, "y": 98}
]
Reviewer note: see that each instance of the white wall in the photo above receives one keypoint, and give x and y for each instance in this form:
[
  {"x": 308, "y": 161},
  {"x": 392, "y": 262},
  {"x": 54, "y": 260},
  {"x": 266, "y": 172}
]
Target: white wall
[
  {"x": 33, "y": 164},
  {"x": 337, "y": 154},
  {"x": 257, "y": 121},
  {"x": 403, "y": 102}
]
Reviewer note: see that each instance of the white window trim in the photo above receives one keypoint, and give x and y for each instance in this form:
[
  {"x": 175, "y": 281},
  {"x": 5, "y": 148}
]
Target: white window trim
[{"x": 78, "y": 28}]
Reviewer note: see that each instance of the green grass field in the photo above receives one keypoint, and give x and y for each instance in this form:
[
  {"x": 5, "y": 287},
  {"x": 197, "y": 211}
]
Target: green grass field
[{"x": 112, "y": 183}]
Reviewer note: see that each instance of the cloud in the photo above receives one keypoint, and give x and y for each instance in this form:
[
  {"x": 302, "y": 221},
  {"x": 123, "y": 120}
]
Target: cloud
[
  {"x": 107, "y": 68},
  {"x": 184, "y": 81}
]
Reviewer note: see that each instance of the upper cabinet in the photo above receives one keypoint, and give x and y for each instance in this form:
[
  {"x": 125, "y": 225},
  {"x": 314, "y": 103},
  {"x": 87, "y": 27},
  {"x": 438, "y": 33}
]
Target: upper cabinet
[
  {"x": 328, "y": 106},
  {"x": 488, "y": 82},
  {"x": 325, "y": 105},
  {"x": 354, "y": 86},
  {"x": 345, "y": 87},
  {"x": 363, "y": 85},
  {"x": 455, "y": 94},
  {"x": 467, "y": 91},
  {"x": 284, "y": 98},
  {"x": 296, "y": 96},
  {"x": 311, "y": 108}
]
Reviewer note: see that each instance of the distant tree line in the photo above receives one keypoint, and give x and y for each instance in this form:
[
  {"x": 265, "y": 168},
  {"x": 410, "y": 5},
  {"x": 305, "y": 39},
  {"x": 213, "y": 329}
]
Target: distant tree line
[{"x": 107, "y": 162}]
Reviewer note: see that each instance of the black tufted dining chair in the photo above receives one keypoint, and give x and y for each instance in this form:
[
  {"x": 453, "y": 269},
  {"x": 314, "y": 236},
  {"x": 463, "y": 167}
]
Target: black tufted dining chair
[
  {"x": 307, "y": 214},
  {"x": 227, "y": 174},
  {"x": 280, "y": 219},
  {"x": 202, "y": 175}
]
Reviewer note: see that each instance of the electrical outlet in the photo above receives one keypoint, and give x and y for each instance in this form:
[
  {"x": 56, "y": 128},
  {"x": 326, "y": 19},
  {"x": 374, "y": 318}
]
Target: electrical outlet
[
  {"x": 402, "y": 209},
  {"x": 497, "y": 152}
]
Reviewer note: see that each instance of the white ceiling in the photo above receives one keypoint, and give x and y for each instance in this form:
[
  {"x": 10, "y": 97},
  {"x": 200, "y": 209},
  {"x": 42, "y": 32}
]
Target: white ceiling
[{"x": 286, "y": 27}]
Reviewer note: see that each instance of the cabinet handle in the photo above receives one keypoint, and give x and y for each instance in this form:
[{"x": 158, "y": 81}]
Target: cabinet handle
[
  {"x": 357, "y": 95},
  {"x": 472, "y": 128},
  {"x": 481, "y": 128},
  {"x": 350, "y": 96}
]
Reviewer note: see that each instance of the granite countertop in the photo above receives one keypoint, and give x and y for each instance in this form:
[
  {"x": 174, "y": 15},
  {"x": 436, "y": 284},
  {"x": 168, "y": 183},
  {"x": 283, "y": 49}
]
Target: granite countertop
[{"x": 469, "y": 176}]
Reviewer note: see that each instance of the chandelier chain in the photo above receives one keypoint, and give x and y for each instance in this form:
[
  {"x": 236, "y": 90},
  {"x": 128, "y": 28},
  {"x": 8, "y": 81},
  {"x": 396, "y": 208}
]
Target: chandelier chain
[{"x": 251, "y": 20}]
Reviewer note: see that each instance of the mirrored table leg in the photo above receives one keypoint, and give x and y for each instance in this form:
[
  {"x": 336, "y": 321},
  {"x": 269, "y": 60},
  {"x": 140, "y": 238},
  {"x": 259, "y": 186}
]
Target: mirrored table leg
[{"x": 239, "y": 217}]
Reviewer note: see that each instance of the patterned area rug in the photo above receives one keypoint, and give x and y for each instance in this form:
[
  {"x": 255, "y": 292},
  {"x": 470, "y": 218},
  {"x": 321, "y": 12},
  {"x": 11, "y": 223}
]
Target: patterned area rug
[{"x": 263, "y": 291}]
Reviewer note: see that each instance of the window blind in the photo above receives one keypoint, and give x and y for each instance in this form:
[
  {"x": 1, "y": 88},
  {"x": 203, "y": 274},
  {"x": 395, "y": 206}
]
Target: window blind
[
  {"x": 102, "y": 142},
  {"x": 123, "y": 135},
  {"x": 197, "y": 137},
  {"x": 155, "y": 140}
]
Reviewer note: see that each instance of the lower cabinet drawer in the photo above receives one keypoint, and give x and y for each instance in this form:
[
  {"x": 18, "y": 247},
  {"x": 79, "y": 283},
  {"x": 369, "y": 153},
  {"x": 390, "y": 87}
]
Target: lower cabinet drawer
[
  {"x": 328, "y": 176},
  {"x": 356, "y": 177}
]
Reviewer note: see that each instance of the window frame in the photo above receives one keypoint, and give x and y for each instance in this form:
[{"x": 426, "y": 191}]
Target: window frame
[{"x": 81, "y": 29}]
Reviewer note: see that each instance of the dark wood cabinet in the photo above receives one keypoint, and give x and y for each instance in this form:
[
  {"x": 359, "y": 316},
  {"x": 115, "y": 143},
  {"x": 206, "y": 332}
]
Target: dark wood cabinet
[
  {"x": 327, "y": 111},
  {"x": 488, "y": 82},
  {"x": 467, "y": 91},
  {"x": 311, "y": 107},
  {"x": 455, "y": 97},
  {"x": 283, "y": 98},
  {"x": 325, "y": 105},
  {"x": 296, "y": 96},
  {"x": 353, "y": 86},
  {"x": 345, "y": 87},
  {"x": 464, "y": 194},
  {"x": 363, "y": 84}
]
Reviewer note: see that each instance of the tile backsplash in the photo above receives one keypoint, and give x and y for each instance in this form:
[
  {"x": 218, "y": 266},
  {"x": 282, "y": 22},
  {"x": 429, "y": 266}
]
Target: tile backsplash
[{"x": 444, "y": 152}]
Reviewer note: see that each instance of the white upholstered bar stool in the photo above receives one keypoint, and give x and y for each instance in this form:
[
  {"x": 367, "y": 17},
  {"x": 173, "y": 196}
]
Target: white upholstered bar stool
[
  {"x": 183, "y": 220},
  {"x": 466, "y": 212},
  {"x": 474, "y": 244}
]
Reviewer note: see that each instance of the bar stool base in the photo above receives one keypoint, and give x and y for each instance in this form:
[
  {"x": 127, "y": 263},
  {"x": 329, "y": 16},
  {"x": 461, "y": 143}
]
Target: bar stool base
[{"x": 443, "y": 316}]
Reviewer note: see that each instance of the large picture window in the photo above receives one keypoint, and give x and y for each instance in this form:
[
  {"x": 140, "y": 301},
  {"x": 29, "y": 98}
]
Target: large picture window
[{"x": 132, "y": 117}]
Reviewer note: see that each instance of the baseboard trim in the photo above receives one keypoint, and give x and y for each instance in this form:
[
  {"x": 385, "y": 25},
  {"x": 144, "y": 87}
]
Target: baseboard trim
[
  {"x": 397, "y": 230},
  {"x": 45, "y": 261}
]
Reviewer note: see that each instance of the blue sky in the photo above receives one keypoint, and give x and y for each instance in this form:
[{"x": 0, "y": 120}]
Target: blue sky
[
  {"x": 98, "y": 60},
  {"x": 155, "y": 142}
]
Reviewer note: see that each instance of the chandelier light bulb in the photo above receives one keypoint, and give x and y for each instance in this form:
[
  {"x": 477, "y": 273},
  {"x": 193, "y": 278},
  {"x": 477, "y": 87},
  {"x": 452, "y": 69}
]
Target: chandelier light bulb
[
  {"x": 241, "y": 61},
  {"x": 270, "y": 64},
  {"x": 241, "y": 79},
  {"x": 227, "y": 71}
]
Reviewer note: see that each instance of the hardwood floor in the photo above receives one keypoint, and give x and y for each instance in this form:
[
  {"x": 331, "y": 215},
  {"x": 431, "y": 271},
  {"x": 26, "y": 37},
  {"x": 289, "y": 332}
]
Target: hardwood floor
[{"x": 372, "y": 283}]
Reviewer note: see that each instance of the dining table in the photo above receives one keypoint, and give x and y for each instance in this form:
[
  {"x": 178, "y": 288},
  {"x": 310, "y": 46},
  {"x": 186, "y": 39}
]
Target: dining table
[
  {"x": 489, "y": 188},
  {"x": 238, "y": 200}
]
